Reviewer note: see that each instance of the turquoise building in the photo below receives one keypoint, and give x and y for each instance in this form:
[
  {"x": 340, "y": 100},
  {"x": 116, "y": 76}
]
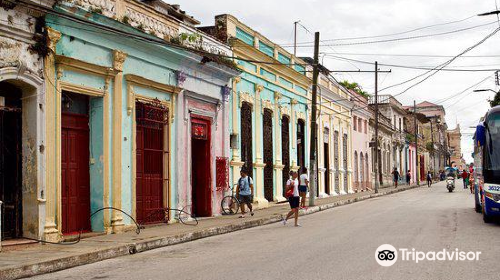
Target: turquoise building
[
  {"x": 131, "y": 119},
  {"x": 269, "y": 110}
]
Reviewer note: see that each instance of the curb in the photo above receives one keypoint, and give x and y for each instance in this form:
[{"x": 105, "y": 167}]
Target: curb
[{"x": 29, "y": 270}]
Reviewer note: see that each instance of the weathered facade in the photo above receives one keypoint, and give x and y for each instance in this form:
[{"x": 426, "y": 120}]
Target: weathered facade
[
  {"x": 335, "y": 153},
  {"x": 116, "y": 116},
  {"x": 269, "y": 113},
  {"x": 454, "y": 140},
  {"x": 436, "y": 143},
  {"x": 393, "y": 110},
  {"x": 23, "y": 143}
]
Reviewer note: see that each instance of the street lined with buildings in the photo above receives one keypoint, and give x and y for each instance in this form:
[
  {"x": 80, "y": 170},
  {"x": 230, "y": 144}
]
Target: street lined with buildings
[
  {"x": 122, "y": 114},
  {"x": 424, "y": 219}
]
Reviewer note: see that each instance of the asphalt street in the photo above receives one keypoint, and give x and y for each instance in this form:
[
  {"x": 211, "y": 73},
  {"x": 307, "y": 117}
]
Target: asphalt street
[{"x": 335, "y": 244}]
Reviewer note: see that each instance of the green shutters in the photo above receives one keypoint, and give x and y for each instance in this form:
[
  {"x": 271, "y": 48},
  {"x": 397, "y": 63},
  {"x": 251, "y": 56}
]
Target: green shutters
[
  {"x": 283, "y": 58},
  {"x": 244, "y": 36},
  {"x": 266, "y": 49},
  {"x": 267, "y": 74}
]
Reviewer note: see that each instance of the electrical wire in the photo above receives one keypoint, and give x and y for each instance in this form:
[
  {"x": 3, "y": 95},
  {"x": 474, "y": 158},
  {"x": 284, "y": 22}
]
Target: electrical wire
[
  {"x": 412, "y": 67},
  {"x": 302, "y": 45},
  {"x": 398, "y": 33},
  {"x": 407, "y": 55},
  {"x": 443, "y": 100},
  {"x": 440, "y": 67}
]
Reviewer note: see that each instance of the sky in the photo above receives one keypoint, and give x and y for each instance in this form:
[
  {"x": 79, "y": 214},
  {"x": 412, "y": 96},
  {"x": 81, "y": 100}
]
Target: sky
[{"x": 340, "y": 19}]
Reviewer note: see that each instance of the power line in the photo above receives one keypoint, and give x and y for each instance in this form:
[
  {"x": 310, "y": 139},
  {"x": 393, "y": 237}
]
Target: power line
[
  {"x": 409, "y": 55},
  {"x": 440, "y": 67},
  {"x": 307, "y": 44},
  {"x": 400, "y": 33},
  {"x": 411, "y": 67},
  {"x": 443, "y": 100}
]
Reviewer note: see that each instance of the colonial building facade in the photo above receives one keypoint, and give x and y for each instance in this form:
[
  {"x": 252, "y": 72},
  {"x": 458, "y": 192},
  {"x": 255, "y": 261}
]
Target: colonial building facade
[
  {"x": 269, "y": 110},
  {"x": 362, "y": 162},
  {"x": 122, "y": 113},
  {"x": 23, "y": 104}
]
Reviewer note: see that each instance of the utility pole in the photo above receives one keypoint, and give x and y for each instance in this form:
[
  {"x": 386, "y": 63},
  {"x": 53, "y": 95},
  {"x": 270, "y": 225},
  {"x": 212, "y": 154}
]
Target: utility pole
[
  {"x": 295, "y": 38},
  {"x": 377, "y": 171},
  {"x": 375, "y": 144},
  {"x": 417, "y": 172},
  {"x": 313, "y": 155}
]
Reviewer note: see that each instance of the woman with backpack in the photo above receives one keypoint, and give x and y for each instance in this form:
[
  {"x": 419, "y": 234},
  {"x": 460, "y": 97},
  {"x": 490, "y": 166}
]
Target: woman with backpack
[{"x": 292, "y": 193}]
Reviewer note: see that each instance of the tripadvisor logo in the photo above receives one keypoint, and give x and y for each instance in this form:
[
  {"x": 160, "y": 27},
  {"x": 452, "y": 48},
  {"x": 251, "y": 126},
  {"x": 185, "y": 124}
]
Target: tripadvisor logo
[{"x": 387, "y": 255}]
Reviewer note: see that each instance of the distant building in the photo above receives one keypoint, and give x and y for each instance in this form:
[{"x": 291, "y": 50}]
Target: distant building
[{"x": 454, "y": 138}]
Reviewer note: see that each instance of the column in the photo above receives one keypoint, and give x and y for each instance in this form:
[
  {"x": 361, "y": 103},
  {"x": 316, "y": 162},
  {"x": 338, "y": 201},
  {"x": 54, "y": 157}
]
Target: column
[
  {"x": 51, "y": 197},
  {"x": 321, "y": 159},
  {"x": 293, "y": 136},
  {"x": 259, "y": 165},
  {"x": 117, "y": 217},
  {"x": 278, "y": 163},
  {"x": 349, "y": 157},
  {"x": 236, "y": 162},
  {"x": 332, "y": 155}
]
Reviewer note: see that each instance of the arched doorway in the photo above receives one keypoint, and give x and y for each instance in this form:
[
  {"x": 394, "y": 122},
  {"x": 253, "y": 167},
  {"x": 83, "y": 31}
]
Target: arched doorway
[
  {"x": 301, "y": 147},
  {"x": 285, "y": 148},
  {"x": 326, "y": 152},
  {"x": 11, "y": 160},
  {"x": 246, "y": 138},
  {"x": 344, "y": 153},
  {"x": 336, "y": 160},
  {"x": 355, "y": 179},
  {"x": 268, "y": 154}
]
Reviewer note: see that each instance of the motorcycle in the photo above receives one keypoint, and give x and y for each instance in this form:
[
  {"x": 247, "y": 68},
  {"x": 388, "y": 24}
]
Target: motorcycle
[
  {"x": 451, "y": 174},
  {"x": 450, "y": 184}
]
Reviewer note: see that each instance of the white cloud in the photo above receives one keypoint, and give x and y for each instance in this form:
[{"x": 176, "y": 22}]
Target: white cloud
[{"x": 349, "y": 18}]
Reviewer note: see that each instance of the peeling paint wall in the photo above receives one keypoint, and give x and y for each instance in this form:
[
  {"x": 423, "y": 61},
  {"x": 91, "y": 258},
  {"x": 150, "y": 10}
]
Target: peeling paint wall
[{"x": 24, "y": 69}]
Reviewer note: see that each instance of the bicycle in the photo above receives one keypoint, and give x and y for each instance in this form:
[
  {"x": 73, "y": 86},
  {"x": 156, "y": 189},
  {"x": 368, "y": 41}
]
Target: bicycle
[{"x": 230, "y": 204}]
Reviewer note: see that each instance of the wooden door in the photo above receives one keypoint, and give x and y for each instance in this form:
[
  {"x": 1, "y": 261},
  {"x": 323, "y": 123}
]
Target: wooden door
[
  {"x": 10, "y": 172},
  {"x": 150, "y": 157},
  {"x": 246, "y": 138},
  {"x": 301, "y": 144},
  {"x": 201, "y": 182},
  {"x": 327, "y": 167},
  {"x": 285, "y": 149},
  {"x": 268, "y": 155},
  {"x": 75, "y": 181}
]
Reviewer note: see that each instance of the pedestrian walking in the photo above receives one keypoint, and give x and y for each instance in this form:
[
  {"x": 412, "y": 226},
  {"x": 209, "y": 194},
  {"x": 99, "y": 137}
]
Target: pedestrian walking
[
  {"x": 429, "y": 179},
  {"x": 245, "y": 192},
  {"x": 396, "y": 176},
  {"x": 465, "y": 177},
  {"x": 408, "y": 177},
  {"x": 303, "y": 187},
  {"x": 292, "y": 193}
]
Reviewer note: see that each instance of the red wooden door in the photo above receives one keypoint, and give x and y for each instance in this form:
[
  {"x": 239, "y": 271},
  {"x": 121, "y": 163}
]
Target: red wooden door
[
  {"x": 201, "y": 168},
  {"x": 75, "y": 186},
  {"x": 150, "y": 152}
]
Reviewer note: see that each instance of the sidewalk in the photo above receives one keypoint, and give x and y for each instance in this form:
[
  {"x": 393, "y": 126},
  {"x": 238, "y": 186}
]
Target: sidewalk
[{"x": 39, "y": 259}]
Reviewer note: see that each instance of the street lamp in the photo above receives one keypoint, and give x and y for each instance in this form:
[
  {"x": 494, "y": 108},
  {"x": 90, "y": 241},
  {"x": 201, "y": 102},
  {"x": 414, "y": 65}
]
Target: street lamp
[{"x": 483, "y": 90}]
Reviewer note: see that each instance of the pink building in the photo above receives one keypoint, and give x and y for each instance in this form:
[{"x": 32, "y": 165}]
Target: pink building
[{"x": 361, "y": 163}]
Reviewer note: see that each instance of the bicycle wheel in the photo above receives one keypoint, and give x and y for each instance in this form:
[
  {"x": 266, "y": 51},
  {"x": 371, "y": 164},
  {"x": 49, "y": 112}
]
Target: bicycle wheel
[{"x": 230, "y": 205}]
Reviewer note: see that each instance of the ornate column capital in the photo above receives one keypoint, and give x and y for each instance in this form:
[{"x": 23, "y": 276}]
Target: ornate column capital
[
  {"x": 277, "y": 95},
  {"x": 237, "y": 79},
  {"x": 258, "y": 88},
  {"x": 118, "y": 59},
  {"x": 294, "y": 101},
  {"x": 53, "y": 37}
]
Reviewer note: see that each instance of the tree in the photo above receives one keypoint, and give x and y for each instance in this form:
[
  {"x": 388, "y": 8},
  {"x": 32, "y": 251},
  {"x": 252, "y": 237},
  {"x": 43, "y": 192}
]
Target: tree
[
  {"x": 496, "y": 100},
  {"x": 355, "y": 87}
]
